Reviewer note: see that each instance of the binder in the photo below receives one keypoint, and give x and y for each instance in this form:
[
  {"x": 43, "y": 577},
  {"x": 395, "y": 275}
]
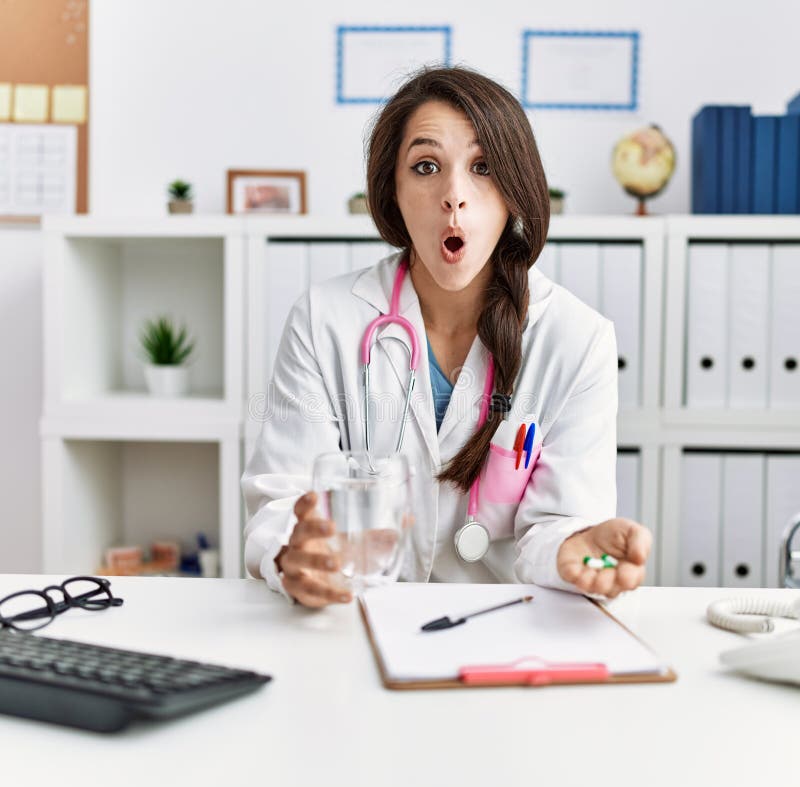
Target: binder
[
  {"x": 706, "y": 160},
  {"x": 793, "y": 107},
  {"x": 558, "y": 637},
  {"x": 579, "y": 269},
  {"x": 782, "y": 504},
  {"x": 327, "y": 259},
  {"x": 765, "y": 163},
  {"x": 701, "y": 488},
  {"x": 628, "y": 485},
  {"x": 788, "y": 167},
  {"x": 784, "y": 350},
  {"x": 366, "y": 254},
  {"x": 285, "y": 282},
  {"x": 748, "y": 320},
  {"x": 742, "y": 527},
  {"x": 547, "y": 262},
  {"x": 707, "y": 341},
  {"x": 621, "y": 302},
  {"x": 744, "y": 161},
  {"x": 728, "y": 158}
]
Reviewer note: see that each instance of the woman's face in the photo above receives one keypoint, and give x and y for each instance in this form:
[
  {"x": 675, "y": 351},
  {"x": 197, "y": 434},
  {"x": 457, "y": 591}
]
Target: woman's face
[{"x": 451, "y": 206}]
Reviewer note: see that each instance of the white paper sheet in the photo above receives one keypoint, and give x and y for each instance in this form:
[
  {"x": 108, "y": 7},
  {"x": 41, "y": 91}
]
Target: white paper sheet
[
  {"x": 580, "y": 70},
  {"x": 555, "y": 626},
  {"x": 38, "y": 169}
]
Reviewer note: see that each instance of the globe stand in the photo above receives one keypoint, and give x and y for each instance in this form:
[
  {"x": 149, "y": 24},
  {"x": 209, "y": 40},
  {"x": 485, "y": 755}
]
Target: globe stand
[{"x": 641, "y": 209}]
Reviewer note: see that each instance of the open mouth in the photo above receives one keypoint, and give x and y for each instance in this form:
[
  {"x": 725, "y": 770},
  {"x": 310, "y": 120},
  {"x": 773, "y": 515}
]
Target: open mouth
[{"x": 453, "y": 244}]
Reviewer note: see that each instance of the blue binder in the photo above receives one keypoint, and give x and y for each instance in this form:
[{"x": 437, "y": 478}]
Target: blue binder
[
  {"x": 744, "y": 160},
  {"x": 727, "y": 159},
  {"x": 788, "y": 165},
  {"x": 765, "y": 160},
  {"x": 793, "y": 107},
  {"x": 706, "y": 160}
]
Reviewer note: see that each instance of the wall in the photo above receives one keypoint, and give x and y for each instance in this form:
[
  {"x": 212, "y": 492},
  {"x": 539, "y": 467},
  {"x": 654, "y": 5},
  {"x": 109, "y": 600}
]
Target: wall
[
  {"x": 20, "y": 398},
  {"x": 191, "y": 89}
]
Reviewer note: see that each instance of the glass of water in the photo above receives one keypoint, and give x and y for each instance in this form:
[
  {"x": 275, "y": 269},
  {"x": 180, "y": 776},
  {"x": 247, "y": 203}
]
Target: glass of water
[{"x": 368, "y": 497}]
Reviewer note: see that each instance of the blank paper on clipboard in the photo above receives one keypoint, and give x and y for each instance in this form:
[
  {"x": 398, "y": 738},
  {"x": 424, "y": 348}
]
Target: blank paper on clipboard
[{"x": 555, "y": 627}]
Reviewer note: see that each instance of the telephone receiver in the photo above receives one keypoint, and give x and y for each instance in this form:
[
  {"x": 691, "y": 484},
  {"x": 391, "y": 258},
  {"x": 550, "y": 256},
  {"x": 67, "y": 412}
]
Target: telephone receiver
[{"x": 774, "y": 658}]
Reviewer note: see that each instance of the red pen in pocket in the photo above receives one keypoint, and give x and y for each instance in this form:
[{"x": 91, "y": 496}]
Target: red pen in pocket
[{"x": 519, "y": 445}]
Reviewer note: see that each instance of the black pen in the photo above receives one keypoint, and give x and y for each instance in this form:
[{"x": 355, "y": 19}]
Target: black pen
[{"x": 447, "y": 623}]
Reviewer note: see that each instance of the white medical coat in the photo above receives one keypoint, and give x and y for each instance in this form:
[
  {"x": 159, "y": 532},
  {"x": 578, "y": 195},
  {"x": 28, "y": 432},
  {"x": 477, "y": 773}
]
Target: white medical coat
[{"x": 314, "y": 403}]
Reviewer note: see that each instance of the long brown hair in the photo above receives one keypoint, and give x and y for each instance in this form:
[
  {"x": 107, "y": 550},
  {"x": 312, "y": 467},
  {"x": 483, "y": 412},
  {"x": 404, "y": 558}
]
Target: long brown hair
[{"x": 509, "y": 148}]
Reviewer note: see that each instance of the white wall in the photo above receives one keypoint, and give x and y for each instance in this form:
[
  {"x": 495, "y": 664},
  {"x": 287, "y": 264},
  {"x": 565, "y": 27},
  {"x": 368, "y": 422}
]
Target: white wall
[
  {"x": 189, "y": 89},
  {"x": 20, "y": 398}
]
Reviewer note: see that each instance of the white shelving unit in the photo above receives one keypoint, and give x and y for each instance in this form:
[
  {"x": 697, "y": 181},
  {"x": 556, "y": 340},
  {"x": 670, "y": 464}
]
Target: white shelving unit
[
  {"x": 106, "y": 444},
  {"x": 720, "y": 429}
]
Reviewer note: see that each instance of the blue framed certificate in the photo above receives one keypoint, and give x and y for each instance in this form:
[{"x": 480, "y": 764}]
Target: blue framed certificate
[
  {"x": 596, "y": 70},
  {"x": 371, "y": 62}
]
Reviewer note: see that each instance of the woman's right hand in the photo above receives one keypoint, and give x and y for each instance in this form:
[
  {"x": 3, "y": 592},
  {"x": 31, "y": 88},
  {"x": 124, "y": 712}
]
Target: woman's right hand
[{"x": 309, "y": 565}]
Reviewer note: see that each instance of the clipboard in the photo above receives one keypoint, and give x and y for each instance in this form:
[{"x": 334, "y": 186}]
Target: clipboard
[{"x": 526, "y": 670}]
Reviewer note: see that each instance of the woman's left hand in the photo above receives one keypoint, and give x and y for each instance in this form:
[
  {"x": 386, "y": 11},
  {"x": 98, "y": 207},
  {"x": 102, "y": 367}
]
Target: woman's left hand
[{"x": 626, "y": 540}]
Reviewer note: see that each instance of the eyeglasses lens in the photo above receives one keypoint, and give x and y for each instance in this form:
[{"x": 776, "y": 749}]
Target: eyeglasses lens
[
  {"x": 87, "y": 593},
  {"x": 25, "y": 611}
]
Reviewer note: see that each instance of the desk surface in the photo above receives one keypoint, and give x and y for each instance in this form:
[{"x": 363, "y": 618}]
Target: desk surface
[{"x": 327, "y": 720}]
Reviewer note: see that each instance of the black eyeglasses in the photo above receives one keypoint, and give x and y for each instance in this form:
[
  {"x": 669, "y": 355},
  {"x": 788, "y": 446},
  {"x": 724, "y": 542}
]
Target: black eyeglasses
[{"x": 24, "y": 611}]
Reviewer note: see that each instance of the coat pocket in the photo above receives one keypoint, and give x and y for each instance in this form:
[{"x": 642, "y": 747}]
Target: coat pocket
[{"x": 502, "y": 487}]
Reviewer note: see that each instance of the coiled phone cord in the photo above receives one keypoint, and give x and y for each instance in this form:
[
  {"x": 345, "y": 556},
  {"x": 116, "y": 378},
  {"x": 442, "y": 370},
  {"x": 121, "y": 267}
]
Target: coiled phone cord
[{"x": 729, "y": 613}]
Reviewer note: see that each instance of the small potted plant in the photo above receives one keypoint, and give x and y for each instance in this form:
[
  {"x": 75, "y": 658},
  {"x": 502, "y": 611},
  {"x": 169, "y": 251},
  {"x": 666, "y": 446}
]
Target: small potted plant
[
  {"x": 180, "y": 193},
  {"x": 167, "y": 350},
  {"x": 358, "y": 203},
  {"x": 557, "y": 200}
]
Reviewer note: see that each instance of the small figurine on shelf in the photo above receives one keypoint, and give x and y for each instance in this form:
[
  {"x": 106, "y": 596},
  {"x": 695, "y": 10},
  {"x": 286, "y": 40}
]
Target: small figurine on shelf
[
  {"x": 167, "y": 350},
  {"x": 180, "y": 193},
  {"x": 557, "y": 200},
  {"x": 358, "y": 203}
]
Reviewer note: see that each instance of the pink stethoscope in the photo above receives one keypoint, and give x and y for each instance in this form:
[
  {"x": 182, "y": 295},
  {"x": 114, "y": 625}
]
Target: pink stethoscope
[{"x": 472, "y": 538}]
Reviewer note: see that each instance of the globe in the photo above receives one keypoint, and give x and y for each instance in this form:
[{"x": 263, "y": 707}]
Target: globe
[{"x": 643, "y": 162}]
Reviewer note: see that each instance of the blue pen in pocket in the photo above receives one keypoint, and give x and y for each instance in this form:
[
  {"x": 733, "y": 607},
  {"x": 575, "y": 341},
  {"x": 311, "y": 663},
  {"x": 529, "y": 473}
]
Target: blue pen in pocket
[{"x": 529, "y": 444}]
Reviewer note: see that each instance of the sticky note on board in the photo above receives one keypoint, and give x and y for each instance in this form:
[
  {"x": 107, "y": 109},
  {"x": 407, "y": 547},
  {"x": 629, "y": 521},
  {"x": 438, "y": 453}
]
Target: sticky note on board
[
  {"x": 69, "y": 104},
  {"x": 30, "y": 103},
  {"x": 5, "y": 101}
]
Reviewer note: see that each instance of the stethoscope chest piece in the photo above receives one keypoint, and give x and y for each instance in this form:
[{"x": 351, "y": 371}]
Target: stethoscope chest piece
[{"x": 472, "y": 541}]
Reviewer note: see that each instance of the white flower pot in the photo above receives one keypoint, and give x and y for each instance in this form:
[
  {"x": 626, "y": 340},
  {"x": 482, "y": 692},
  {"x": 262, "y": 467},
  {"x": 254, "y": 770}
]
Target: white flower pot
[{"x": 164, "y": 380}]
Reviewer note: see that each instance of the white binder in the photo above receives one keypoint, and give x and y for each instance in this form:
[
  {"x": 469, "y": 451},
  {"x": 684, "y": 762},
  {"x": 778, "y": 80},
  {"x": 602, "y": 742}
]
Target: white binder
[
  {"x": 742, "y": 512},
  {"x": 366, "y": 254},
  {"x": 326, "y": 260},
  {"x": 701, "y": 487},
  {"x": 621, "y": 302},
  {"x": 784, "y": 380},
  {"x": 628, "y": 485},
  {"x": 579, "y": 271},
  {"x": 707, "y": 356},
  {"x": 749, "y": 301},
  {"x": 548, "y": 261},
  {"x": 285, "y": 282},
  {"x": 783, "y": 503}
]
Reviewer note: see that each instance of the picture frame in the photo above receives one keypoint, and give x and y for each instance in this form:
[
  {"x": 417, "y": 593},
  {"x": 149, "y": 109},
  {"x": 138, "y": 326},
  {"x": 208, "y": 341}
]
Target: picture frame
[{"x": 266, "y": 191}]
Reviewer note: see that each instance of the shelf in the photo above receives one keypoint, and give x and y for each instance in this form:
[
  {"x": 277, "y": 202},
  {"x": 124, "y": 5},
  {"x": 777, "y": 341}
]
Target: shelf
[
  {"x": 105, "y": 492},
  {"x": 745, "y": 227}
]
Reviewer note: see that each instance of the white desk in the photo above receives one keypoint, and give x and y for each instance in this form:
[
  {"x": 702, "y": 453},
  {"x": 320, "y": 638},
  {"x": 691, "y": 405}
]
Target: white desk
[{"x": 326, "y": 719}]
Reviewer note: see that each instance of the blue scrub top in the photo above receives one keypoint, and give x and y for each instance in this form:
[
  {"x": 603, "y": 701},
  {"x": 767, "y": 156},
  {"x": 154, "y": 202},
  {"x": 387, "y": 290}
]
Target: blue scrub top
[{"x": 441, "y": 386}]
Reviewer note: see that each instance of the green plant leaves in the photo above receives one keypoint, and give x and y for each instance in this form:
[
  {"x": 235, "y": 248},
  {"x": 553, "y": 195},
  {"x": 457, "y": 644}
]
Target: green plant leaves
[{"x": 163, "y": 344}]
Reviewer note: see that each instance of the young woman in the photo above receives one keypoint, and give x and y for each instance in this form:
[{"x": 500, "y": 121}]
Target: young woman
[{"x": 455, "y": 181}]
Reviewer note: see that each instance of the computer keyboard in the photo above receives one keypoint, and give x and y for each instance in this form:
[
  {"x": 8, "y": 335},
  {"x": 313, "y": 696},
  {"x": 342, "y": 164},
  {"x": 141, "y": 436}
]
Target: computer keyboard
[{"x": 103, "y": 689}]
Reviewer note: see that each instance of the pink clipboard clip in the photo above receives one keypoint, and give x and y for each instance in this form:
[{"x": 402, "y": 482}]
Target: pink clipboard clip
[{"x": 533, "y": 671}]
